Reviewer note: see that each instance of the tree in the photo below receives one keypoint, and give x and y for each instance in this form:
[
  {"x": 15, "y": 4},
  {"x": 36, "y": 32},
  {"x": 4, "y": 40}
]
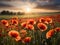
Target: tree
[{"x": 20, "y": 13}]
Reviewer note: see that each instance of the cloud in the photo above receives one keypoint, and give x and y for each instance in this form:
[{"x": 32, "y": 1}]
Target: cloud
[
  {"x": 5, "y": 0},
  {"x": 13, "y": 0},
  {"x": 51, "y": 5},
  {"x": 10, "y": 4},
  {"x": 44, "y": 4},
  {"x": 5, "y": 5}
]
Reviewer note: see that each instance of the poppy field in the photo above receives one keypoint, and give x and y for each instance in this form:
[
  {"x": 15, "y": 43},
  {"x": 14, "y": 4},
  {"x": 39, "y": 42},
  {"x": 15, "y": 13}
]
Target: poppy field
[{"x": 30, "y": 31}]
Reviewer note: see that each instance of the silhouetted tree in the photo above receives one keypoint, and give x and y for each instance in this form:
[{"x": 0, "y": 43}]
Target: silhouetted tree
[
  {"x": 3, "y": 12},
  {"x": 7, "y": 12},
  {"x": 20, "y": 13},
  {"x": 14, "y": 13},
  {"x": 11, "y": 13}
]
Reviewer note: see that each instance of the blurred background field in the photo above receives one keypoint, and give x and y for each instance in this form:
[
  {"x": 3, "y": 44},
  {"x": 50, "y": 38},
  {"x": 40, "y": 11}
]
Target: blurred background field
[{"x": 28, "y": 15}]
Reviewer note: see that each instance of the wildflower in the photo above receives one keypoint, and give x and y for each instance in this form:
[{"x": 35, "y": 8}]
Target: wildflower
[
  {"x": 42, "y": 20},
  {"x": 0, "y": 34},
  {"x": 30, "y": 27},
  {"x": 18, "y": 38},
  {"x": 50, "y": 33},
  {"x": 27, "y": 39},
  {"x": 15, "y": 18},
  {"x": 48, "y": 20},
  {"x": 13, "y": 33},
  {"x": 31, "y": 21},
  {"x": 4, "y": 22},
  {"x": 42, "y": 26},
  {"x": 23, "y": 24},
  {"x": 23, "y": 33},
  {"x": 14, "y": 22},
  {"x": 57, "y": 29}
]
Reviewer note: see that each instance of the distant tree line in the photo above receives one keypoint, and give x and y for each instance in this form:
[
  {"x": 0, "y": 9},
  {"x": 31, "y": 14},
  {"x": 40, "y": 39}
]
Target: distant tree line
[{"x": 4, "y": 12}]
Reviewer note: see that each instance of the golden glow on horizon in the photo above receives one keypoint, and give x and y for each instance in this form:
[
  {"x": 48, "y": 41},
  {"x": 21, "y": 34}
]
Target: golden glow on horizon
[{"x": 27, "y": 9}]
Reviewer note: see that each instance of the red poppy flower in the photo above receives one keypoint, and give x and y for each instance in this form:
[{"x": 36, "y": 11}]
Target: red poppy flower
[
  {"x": 13, "y": 33},
  {"x": 29, "y": 26},
  {"x": 4, "y": 22},
  {"x": 48, "y": 20},
  {"x": 23, "y": 24},
  {"x": 15, "y": 18},
  {"x": 0, "y": 34},
  {"x": 42, "y": 26},
  {"x": 57, "y": 29},
  {"x": 31, "y": 21},
  {"x": 23, "y": 33},
  {"x": 50, "y": 33},
  {"x": 18, "y": 38},
  {"x": 42, "y": 20},
  {"x": 0, "y": 31},
  {"x": 12, "y": 26},
  {"x": 14, "y": 22},
  {"x": 27, "y": 39}
]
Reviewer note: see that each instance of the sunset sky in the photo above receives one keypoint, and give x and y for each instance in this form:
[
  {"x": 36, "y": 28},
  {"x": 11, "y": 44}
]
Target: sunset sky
[{"x": 33, "y": 5}]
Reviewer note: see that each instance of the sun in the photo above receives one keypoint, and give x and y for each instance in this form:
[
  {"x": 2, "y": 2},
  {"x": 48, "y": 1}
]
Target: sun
[{"x": 27, "y": 9}]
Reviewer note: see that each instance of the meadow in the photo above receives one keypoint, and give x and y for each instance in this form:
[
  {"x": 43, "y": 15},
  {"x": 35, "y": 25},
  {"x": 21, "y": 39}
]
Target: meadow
[{"x": 30, "y": 29}]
